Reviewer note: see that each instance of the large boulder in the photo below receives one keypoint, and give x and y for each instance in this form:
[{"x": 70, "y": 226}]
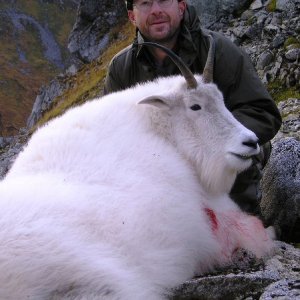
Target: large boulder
[
  {"x": 280, "y": 205},
  {"x": 91, "y": 32}
]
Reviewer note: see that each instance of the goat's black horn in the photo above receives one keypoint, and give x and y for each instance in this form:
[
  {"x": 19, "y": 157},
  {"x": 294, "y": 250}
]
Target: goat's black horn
[
  {"x": 185, "y": 71},
  {"x": 208, "y": 72}
]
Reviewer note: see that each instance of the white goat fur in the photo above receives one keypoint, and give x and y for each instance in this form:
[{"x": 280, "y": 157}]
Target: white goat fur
[{"x": 112, "y": 199}]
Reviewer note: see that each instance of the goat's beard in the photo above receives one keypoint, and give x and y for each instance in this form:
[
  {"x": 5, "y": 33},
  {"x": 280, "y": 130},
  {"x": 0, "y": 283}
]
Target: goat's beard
[{"x": 215, "y": 177}]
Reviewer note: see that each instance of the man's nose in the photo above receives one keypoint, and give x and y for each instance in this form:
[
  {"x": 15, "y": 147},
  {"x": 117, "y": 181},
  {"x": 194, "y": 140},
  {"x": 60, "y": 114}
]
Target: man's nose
[{"x": 155, "y": 7}]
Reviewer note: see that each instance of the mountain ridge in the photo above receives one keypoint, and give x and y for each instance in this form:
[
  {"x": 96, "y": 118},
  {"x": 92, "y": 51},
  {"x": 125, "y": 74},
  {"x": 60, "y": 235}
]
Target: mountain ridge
[{"x": 33, "y": 49}]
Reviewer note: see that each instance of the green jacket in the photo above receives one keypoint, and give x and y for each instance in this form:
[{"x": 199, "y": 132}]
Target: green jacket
[{"x": 244, "y": 94}]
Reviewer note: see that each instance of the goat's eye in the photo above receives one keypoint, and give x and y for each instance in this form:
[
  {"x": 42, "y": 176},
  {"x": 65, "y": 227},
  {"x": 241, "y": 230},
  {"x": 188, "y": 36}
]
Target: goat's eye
[{"x": 195, "y": 107}]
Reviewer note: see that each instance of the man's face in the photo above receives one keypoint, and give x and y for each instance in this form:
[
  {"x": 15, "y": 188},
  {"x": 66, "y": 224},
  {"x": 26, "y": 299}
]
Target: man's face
[{"x": 158, "y": 24}]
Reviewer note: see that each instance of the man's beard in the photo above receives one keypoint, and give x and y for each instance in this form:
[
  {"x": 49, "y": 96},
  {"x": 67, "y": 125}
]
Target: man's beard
[{"x": 170, "y": 37}]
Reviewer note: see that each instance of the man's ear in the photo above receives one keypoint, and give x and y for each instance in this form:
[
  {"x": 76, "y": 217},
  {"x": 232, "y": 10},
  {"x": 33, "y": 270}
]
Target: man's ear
[
  {"x": 157, "y": 101},
  {"x": 182, "y": 7},
  {"x": 131, "y": 17}
]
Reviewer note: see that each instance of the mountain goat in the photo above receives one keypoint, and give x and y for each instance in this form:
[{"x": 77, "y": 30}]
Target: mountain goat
[{"x": 126, "y": 197}]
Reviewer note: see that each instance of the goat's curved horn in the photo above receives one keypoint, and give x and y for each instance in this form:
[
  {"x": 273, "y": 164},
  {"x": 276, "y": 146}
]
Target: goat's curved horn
[
  {"x": 208, "y": 72},
  {"x": 185, "y": 71}
]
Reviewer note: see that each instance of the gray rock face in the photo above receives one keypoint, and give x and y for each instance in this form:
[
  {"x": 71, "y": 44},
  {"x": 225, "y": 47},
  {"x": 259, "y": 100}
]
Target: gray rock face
[
  {"x": 10, "y": 147},
  {"x": 276, "y": 277},
  {"x": 44, "y": 100},
  {"x": 211, "y": 11},
  {"x": 90, "y": 34},
  {"x": 290, "y": 119},
  {"x": 264, "y": 60},
  {"x": 263, "y": 35},
  {"x": 256, "y": 4},
  {"x": 293, "y": 54},
  {"x": 51, "y": 49},
  {"x": 280, "y": 204}
]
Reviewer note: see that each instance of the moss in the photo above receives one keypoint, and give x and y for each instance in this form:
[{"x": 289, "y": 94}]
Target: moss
[
  {"x": 280, "y": 93},
  {"x": 271, "y": 7},
  {"x": 251, "y": 21},
  {"x": 291, "y": 41}
]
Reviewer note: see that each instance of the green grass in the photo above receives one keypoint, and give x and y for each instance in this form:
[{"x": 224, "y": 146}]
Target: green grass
[
  {"x": 280, "y": 93},
  {"x": 291, "y": 41},
  {"x": 251, "y": 21},
  {"x": 271, "y": 7}
]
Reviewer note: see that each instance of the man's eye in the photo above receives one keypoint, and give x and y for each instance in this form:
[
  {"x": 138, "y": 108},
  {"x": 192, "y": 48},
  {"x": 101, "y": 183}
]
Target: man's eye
[
  {"x": 195, "y": 107},
  {"x": 145, "y": 3}
]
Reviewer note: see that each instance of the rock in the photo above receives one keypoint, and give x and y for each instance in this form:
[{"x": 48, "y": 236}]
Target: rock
[
  {"x": 212, "y": 11},
  {"x": 239, "y": 31},
  {"x": 286, "y": 5},
  {"x": 51, "y": 48},
  {"x": 291, "y": 119},
  {"x": 276, "y": 19},
  {"x": 289, "y": 106},
  {"x": 264, "y": 60},
  {"x": 72, "y": 70},
  {"x": 10, "y": 147},
  {"x": 44, "y": 100},
  {"x": 275, "y": 69},
  {"x": 256, "y": 4},
  {"x": 271, "y": 30},
  {"x": 5, "y": 141},
  {"x": 247, "y": 15},
  {"x": 277, "y": 275},
  {"x": 293, "y": 54},
  {"x": 278, "y": 41},
  {"x": 283, "y": 289},
  {"x": 90, "y": 34},
  {"x": 254, "y": 30},
  {"x": 280, "y": 204}
]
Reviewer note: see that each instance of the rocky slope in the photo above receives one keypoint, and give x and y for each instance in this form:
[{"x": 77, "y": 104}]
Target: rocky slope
[
  {"x": 269, "y": 31},
  {"x": 33, "y": 49},
  {"x": 276, "y": 277}
]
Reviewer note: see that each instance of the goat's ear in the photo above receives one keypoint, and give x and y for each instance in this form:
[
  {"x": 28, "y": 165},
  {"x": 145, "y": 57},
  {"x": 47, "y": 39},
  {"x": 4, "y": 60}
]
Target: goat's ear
[{"x": 157, "y": 101}]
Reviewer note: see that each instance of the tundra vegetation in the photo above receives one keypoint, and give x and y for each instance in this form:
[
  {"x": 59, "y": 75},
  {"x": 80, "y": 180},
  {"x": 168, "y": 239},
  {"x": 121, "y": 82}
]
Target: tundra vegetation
[{"x": 28, "y": 28}]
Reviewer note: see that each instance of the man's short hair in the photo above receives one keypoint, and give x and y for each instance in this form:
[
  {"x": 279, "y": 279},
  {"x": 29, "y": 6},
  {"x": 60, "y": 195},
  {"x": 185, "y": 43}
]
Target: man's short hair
[{"x": 129, "y": 4}]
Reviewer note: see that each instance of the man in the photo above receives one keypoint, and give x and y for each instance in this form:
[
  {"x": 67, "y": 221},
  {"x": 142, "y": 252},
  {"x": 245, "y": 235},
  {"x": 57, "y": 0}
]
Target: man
[{"x": 176, "y": 25}]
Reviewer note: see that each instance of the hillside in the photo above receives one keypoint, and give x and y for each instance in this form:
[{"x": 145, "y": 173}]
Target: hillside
[{"x": 33, "y": 49}]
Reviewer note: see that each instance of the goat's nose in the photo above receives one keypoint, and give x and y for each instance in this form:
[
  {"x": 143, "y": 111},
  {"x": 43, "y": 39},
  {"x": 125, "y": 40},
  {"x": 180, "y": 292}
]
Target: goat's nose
[{"x": 251, "y": 143}]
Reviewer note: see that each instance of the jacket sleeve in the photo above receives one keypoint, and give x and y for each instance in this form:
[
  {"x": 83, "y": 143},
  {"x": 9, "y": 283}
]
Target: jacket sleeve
[{"x": 244, "y": 93}]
